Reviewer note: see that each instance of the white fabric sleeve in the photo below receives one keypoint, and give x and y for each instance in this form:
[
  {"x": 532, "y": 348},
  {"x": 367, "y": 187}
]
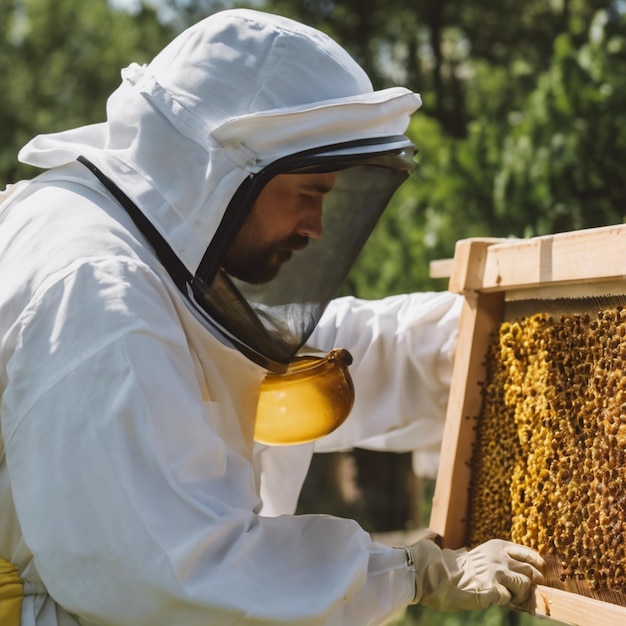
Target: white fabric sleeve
[
  {"x": 274, "y": 463},
  {"x": 135, "y": 506},
  {"x": 403, "y": 349}
]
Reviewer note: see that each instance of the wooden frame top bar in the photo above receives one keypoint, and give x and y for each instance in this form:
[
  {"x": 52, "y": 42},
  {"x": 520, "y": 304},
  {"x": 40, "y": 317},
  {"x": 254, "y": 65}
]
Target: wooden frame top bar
[{"x": 591, "y": 255}]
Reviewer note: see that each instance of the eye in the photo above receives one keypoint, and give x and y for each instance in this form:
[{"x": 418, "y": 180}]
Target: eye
[{"x": 306, "y": 199}]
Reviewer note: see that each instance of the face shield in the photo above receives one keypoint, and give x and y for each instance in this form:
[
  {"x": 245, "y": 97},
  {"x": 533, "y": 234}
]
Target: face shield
[{"x": 268, "y": 310}]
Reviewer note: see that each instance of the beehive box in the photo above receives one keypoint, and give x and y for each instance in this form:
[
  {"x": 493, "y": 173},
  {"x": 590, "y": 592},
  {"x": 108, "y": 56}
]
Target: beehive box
[{"x": 568, "y": 285}]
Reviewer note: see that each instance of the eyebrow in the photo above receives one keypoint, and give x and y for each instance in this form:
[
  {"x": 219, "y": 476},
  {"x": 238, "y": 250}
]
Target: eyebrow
[{"x": 318, "y": 187}]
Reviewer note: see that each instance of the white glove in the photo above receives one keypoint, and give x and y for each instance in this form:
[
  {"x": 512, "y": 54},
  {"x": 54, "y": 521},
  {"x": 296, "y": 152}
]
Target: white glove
[{"x": 495, "y": 572}]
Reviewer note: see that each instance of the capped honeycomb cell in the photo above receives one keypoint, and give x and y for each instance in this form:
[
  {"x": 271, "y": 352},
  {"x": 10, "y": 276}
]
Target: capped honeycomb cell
[{"x": 548, "y": 469}]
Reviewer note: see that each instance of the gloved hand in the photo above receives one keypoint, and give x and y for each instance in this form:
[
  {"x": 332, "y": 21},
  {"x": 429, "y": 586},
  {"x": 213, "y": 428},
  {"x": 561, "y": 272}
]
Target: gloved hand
[{"x": 496, "y": 572}]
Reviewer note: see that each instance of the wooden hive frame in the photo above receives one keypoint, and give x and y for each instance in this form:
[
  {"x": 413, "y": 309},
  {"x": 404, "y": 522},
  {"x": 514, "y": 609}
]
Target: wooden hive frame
[{"x": 487, "y": 272}]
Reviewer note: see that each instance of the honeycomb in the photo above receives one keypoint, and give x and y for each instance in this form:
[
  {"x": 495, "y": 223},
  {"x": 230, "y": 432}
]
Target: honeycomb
[{"x": 548, "y": 469}]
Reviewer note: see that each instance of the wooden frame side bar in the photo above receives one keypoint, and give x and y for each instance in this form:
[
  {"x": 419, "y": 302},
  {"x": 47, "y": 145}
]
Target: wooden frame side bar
[{"x": 480, "y": 315}]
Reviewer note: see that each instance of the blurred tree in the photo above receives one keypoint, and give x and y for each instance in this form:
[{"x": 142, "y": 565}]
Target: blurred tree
[
  {"x": 183, "y": 13},
  {"x": 562, "y": 161},
  {"x": 59, "y": 62},
  {"x": 553, "y": 163}
]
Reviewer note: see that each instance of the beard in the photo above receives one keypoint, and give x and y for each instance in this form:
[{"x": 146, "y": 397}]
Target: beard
[{"x": 258, "y": 265}]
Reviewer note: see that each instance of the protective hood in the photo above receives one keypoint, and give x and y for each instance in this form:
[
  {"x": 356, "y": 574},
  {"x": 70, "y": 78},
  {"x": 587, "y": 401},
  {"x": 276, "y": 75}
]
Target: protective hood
[{"x": 191, "y": 139}]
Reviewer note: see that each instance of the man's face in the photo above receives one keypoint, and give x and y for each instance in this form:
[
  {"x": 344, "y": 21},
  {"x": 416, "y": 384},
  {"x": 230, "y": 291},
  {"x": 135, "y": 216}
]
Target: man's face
[{"x": 287, "y": 213}]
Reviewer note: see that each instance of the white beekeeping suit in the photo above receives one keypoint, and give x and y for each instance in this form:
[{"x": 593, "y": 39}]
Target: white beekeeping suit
[{"x": 130, "y": 367}]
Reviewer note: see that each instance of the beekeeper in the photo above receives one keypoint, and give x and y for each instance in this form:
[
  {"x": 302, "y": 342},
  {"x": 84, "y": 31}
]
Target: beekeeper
[{"x": 166, "y": 263}]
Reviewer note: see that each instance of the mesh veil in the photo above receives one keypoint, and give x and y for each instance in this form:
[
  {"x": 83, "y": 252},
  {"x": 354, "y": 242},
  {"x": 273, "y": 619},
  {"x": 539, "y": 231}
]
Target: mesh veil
[{"x": 273, "y": 320}]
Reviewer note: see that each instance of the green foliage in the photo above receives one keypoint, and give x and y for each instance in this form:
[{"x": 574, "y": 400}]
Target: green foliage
[
  {"x": 59, "y": 62},
  {"x": 552, "y": 161},
  {"x": 182, "y": 13},
  {"x": 563, "y": 159}
]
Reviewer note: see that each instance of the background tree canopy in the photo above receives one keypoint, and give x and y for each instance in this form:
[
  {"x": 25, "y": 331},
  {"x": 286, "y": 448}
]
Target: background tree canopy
[{"x": 522, "y": 132}]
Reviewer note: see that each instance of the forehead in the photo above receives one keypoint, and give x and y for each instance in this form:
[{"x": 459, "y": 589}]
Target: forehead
[{"x": 313, "y": 182}]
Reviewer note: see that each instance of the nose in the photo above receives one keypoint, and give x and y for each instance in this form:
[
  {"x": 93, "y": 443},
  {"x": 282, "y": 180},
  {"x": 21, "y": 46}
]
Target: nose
[{"x": 311, "y": 223}]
